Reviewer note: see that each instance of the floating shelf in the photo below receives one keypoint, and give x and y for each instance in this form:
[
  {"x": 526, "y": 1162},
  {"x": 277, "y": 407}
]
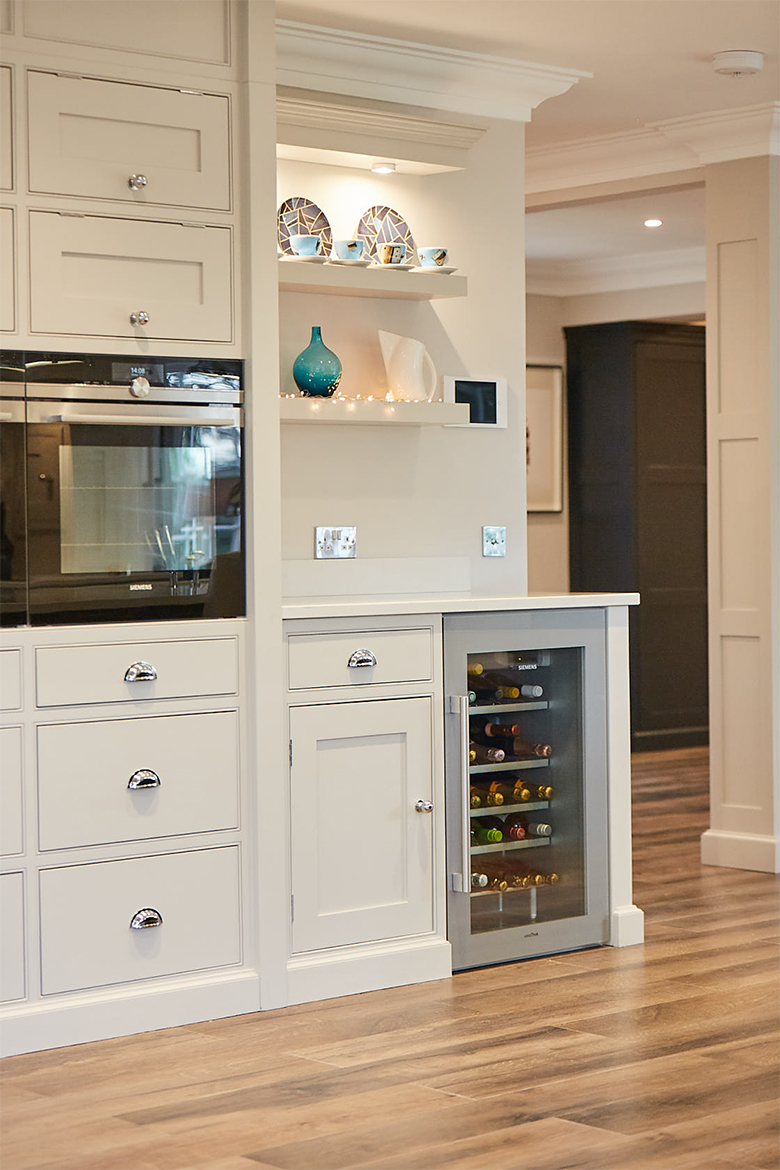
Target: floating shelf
[
  {"x": 368, "y": 282},
  {"x": 359, "y": 411}
]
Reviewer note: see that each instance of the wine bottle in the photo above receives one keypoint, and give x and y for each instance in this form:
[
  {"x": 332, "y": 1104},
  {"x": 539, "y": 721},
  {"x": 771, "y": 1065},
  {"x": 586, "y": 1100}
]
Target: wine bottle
[
  {"x": 475, "y": 669},
  {"x": 477, "y": 797},
  {"x": 485, "y": 796},
  {"x": 479, "y": 881},
  {"x": 472, "y": 696},
  {"x": 521, "y": 747},
  {"x": 530, "y": 828},
  {"x": 485, "y": 755},
  {"x": 486, "y": 836},
  {"x": 535, "y": 791},
  {"x": 531, "y": 691},
  {"x": 502, "y": 729},
  {"x": 505, "y": 791}
]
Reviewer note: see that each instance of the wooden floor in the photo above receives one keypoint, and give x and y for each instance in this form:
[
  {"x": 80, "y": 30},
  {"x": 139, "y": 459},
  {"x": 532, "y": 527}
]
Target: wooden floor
[{"x": 662, "y": 1056}]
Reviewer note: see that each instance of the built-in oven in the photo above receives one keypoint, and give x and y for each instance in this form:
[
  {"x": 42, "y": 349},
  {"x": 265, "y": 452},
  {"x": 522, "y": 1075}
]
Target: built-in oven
[
  {"x": 133, "y": 488},
  {"x": 13, "y": 530}
]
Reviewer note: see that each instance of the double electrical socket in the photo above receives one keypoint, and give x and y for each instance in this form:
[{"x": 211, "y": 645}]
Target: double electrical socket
[
  {"x": 334, "y": 543},
  {"x": 493, "y": 541}
]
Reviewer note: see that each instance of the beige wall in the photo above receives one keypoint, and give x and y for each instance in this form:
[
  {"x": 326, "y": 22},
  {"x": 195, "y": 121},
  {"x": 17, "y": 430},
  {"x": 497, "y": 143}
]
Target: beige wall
[{"x": 416, "y": 492}]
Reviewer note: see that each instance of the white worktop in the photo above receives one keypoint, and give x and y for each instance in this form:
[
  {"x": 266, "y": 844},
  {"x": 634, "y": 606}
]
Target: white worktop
[{"x": 377, "y": 605}]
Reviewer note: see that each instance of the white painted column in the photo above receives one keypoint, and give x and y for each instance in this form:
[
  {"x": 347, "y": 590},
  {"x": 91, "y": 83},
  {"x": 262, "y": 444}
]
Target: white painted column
[{"x": 743, "y": 456}]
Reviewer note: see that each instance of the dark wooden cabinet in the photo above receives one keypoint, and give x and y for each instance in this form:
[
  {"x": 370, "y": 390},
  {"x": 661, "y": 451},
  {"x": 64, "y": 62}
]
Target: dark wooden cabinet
[{"x": 638, "y": 509}]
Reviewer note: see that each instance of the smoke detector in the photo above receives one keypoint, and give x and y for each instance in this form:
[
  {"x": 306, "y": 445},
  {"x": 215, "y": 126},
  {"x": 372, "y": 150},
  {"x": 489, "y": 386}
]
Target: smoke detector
[{"x": 738, "y": 62}]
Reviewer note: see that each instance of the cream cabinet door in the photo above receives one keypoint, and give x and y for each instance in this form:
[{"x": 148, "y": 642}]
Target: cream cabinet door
[
  {"x": 91, "y": 138},
  {"x": 12, "y": 936},
  {"x": 362, "y": 866},
  {"x": 7, "y": 271},
  {"x": 89, "y": 274},
  {"x": 11, "y": 780},
  {"x": 6, "y": 131}
]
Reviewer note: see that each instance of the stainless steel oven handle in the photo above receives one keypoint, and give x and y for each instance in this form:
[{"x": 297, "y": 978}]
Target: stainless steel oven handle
[{"x": 145, "y": 420}]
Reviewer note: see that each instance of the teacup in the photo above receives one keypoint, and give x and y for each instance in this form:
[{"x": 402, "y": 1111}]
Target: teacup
[
  {"x": 390, "y": 253},
  {"x": 303, "y": 245},
  {"x": 348, "y": 249},
  {"x": 432, "y": 257}
]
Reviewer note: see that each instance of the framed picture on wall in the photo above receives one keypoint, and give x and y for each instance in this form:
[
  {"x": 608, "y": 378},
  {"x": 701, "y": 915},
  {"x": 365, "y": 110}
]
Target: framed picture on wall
[{"x": 544, "y": 438}]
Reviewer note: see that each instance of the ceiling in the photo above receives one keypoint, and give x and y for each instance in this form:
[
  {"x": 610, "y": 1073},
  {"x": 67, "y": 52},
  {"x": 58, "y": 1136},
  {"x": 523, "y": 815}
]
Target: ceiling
[{"x": 651, "y": 60}]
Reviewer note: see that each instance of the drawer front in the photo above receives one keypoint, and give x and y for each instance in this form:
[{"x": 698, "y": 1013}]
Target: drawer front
[
  {"x": 6, "y": 131},
  {"x": 90, "y": 273},
  {"x": 89, "y": 137},
  {"x": 321, "y": 660},
  {"x": 7, "y": 271},
  {"x": 12, "y": 936},
  {"x": 11, "y": 823},
  {"x": 10, "y": 680},
  {"x": 131, "y": 779},
  {"x": 71, "y": 675},
  {"x": 86, "y": 911}
]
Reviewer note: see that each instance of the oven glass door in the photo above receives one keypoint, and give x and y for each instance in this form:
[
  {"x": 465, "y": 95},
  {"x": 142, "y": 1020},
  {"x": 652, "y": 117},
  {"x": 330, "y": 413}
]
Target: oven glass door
[
  {"x": 13, "y": 542},
  {"x": 133, "y": 522}
]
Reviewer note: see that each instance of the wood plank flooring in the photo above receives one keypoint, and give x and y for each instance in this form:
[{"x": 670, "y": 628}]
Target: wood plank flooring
[{"x": 660, "y": 1057}]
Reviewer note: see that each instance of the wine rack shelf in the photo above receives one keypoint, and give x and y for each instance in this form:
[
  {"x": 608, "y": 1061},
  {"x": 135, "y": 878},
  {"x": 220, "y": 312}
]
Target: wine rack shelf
[
  {"x": 508, "y": 766},
  {"x": 505, "y": 708},
  {"x": 505, "y": 846},
  {"x": 500, "y": 810},
  {"x": 531, "y": 890}
]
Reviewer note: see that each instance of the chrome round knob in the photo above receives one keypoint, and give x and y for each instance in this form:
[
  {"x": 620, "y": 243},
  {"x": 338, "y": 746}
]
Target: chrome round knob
[
  {"x": 137, "y": 182},
  {"x": 139, "y": 318},
  {"x": 140, "y": 387},
  {"x": 424, "y": 806}
]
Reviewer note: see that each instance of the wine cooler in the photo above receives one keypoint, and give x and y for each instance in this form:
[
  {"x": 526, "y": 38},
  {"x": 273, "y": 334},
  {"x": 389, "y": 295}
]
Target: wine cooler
[{"x": 526, "y": 783}]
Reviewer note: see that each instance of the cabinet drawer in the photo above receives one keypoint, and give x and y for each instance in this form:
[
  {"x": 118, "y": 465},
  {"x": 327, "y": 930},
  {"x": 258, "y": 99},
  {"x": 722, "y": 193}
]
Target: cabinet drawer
[
  {"x": 322, "y": 660},
  {"x": 86, "y": 911},
  {"x": 10, "y": 680},
  {"x": 183, "y": 770},
  {"x": 70, "y": 675},
  {"x": 7, "y": 271},
  {"x": 88, "y": 137},
  {"x": 12, "y": 936},
  {"x": 11, "y": 825},
  {"x": 89, "y": 273}
]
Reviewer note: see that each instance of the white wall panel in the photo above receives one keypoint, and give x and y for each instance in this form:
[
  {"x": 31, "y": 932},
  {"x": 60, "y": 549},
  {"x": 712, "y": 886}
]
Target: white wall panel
[
  {"x": 738, "y": 313},
  {"x": 743, "y": 549}
]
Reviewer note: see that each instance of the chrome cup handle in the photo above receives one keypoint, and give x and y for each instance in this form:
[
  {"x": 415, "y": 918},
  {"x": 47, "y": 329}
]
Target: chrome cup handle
[
  {"x": 143, "y": 778},
  {"x": 146, "y": 918},
  {"x": 361, "y": 658},
  {"x": 140, "y": 672}
]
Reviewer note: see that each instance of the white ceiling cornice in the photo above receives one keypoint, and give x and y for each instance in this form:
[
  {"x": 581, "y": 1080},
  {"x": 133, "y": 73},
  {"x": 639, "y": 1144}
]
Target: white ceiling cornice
[
  {"x": 676, "y": 144},
  {"x": 317, "y": 114},
  {"x": 406, "y": 72},
  {"x": 571, "y": 278}
]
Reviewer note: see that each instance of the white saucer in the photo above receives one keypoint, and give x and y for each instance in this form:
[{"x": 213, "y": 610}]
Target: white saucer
[
  {"x": 305, "y": 259},
  {"x": 447, "y": 268},
  {"x": 403, "y": 267},
  {"x": 349, "y": 263}
]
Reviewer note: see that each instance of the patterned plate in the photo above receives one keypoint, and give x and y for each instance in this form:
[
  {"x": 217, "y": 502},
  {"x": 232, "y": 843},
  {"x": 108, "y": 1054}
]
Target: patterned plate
[
  {"x": 382, "y": 225},
  {"x": 300, "y": 217}
]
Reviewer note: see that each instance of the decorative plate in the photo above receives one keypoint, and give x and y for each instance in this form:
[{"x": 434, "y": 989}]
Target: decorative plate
[
  {"x": 382, "y": 225},
  {"x": 300, "y": 217}
]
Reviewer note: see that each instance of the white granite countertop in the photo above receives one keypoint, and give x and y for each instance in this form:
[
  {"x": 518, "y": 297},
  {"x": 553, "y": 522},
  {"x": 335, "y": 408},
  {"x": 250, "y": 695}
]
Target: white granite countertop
[{"x": 377, "y": 605}]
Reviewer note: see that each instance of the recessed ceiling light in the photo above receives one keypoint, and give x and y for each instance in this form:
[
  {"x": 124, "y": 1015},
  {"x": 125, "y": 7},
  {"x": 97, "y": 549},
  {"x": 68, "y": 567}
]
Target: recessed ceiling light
[
  {"x": 653, "y": 222},
  {"x": 383, "y": 168}
]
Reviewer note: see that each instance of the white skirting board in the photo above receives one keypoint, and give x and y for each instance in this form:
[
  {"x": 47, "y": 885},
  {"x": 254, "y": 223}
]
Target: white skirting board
[
  {"x": 741, "y": 851},
  {"x": 368, "y": 967},
  {"x": 376, "y": 575},
  {"x": 627, "y": 926},
  {"x": 124, "y": 1011}
]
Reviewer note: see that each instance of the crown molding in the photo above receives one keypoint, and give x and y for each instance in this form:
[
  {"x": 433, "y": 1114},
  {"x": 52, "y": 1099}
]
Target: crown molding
[
  {"x": 571, "y": 278},
  {"x": 327, "y": 117},
  {"x": 406, "y": 72},
  {"x": 676, "y": 144}
]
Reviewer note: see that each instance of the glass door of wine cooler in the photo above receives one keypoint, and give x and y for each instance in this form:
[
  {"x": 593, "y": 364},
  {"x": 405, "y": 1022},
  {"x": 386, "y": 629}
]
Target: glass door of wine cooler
[{"x": 526, "y": 783}]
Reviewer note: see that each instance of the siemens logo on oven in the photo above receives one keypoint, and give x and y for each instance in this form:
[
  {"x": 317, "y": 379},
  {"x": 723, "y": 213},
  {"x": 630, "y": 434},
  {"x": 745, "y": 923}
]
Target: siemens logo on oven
[{"x": 145, "y": 586}]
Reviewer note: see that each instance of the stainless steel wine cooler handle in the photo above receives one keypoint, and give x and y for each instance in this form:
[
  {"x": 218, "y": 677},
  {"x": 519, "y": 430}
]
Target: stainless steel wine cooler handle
[
  {"x": 143, "y": 778},
  {"x": 140, "y": 672},
  {"x": 137, "y": 182},
  {"x": 146, "y": 918},
  {"x": 139, "y": 318},
  {"x": 465, "y": 844},
  {"x": 362, "y": 658},
  {"x": 424, "y": 806}
]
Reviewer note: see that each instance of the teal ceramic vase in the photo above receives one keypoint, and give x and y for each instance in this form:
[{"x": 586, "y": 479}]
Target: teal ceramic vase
[{"x": 317, "y": 371}]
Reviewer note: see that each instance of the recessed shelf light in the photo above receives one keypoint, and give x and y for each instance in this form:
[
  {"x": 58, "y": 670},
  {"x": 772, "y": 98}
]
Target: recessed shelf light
[
  {"x": 383, "y": 168},
  {"x": 653, "y": 222}
]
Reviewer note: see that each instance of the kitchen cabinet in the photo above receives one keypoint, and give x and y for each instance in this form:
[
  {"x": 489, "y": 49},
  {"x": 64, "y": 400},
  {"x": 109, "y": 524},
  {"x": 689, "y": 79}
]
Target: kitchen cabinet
[
  {"x": 6, "y": 129},
  {"x": 11, "y": 801},
  {"x": 7, "y": 270},
  {"x": 12, "y": 960}
]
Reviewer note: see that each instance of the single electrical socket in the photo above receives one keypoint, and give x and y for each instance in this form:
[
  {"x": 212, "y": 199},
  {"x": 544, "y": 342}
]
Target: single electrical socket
[
  {"x": 334, "y": 543},
  {"x": 493, "y": 541}
]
